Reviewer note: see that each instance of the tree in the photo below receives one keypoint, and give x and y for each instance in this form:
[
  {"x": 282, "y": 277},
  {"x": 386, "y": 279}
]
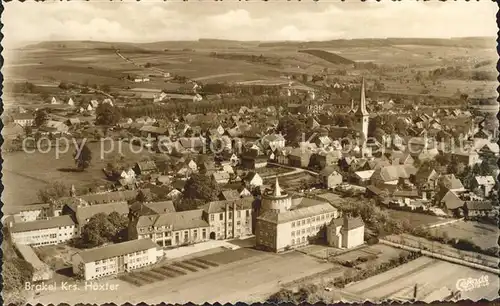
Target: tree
[
  {"x": 98, "y": 230},
  {"x": 16, "y": 272},
  {"x": 107, "y": 114},
  {"x": 142, "y": 197},
  {"x": 83, "y": 158},
  {"x": 40, "y": 117},
  {"x": 28, "y": 130},
  {"x": 54, "y": 191},
  {"x": 201, "y": 187},
  {"x": 292, "y": 129}
]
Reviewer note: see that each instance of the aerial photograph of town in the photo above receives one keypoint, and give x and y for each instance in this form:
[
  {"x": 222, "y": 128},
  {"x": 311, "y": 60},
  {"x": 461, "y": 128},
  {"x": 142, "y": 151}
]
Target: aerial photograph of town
[{"x": 254, "y": 152}]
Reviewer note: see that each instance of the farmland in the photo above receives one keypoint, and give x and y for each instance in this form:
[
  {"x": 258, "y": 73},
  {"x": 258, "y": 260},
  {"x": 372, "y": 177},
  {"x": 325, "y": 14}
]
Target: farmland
[{"x": 399, "y": 282}]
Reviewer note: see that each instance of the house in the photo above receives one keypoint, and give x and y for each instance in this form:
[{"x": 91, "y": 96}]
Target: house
[
  {"x": 44, "y": 232},
  {"x": 193, "y": 144},
  {"x": 145, "y": 167},
  {"x": 469, "y": 158},
  {"x": 391, "y": 175},
  {"x": 273, "y": 142},
  {"x": 485, "y": 183},
  {"x": 221, "y": 177},
  {"x": 52, "y": 126},
  {"x": 451, "y": 202},
  {"x": 345, "y": 232},
  {"x": 253, "y": 161},
  {"x": 324, "y": 159},
  {"x": 71, "y": 102},
  {"x": 450, "y": 182},
  {"x": 330, "y": 178},
  {"x": 230, "y": 194},
  {"x": 253, "y": 179},
  {"x": 73, "y": 122},
  {"x": 12, "y": 130},
  {"x": 173, "y": 229},
  {"x": 363, "y": 177},
  {"x": 299, "y": 157},
  {"x": 27, "y": 213},
  {"x": 54, "y": 101},
  {"x": 160, "y": 207},
  {"x": 23, "y": 119},
  {"x": 478, "y": 208},
  {"x": 115, "y": 258},
  {"x": 152, "y": 131},
  {"x": 230, "y": 218}
]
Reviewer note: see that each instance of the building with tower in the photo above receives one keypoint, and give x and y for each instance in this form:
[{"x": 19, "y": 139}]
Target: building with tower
[{"x": 286, "y": 223}]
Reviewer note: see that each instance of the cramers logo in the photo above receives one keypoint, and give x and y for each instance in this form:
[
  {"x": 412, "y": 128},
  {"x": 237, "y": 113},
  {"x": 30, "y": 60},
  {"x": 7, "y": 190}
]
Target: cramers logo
[{"x": 469, "y": 284}]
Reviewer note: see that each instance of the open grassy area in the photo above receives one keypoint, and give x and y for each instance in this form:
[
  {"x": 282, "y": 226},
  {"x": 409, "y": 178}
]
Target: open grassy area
[
  {"x": 484, "y": 235},
  {"x": 25, "y": 173},
  {"x": 415, "y": 219}
]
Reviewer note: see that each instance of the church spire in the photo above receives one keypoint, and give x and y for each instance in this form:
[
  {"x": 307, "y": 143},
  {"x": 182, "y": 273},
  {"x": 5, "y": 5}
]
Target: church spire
[
  {"x": 362, "y": 103},
  {"x": 277, "y": 189}
]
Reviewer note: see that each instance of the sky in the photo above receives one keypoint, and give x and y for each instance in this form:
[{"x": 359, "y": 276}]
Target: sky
[{"x": 155, "y": 20}]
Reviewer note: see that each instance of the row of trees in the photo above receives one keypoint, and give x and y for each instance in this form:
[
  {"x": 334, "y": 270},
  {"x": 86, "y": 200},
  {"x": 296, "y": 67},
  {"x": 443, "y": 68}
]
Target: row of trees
[{"x": 103, "y": 228}]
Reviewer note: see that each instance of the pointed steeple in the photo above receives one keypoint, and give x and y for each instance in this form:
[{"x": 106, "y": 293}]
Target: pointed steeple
[
  {"x": 362, "y": 103},
  {"x": 277, "y": 189}
]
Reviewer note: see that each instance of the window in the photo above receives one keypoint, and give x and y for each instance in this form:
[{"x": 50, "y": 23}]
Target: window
[
  {"x": 97, "y": 270},
  {"x": 204, "y": 234},
  {"x": 293, "y": 241},
  {"x": 221, "y": 216},
  {"x": 293, "y": 224},
  {"x": 303, "y": 231},
  {"x": 212, "y": 217},
  {"x": 230, "y": 215},
  {"x": 195, "y": 234},
  {"x": 248, "y": 213},
  {"x": 293, "y": 233},
  {"x": 303, "y": 222},
  {"x": 186, "y": 236},
  {"x": 238, "y": 223},
  {"x": 239, "y": 214}
]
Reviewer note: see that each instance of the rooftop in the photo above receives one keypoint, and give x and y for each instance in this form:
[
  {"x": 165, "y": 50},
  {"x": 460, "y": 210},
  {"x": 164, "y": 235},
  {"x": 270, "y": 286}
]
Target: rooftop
[
  {"x": 118, "y": 249},
  {"x": 42, "y": 224}
]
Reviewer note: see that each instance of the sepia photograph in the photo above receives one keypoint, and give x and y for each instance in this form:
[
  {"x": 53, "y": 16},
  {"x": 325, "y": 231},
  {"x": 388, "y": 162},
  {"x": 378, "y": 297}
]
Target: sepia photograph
[{"x": 249, "y": 152}]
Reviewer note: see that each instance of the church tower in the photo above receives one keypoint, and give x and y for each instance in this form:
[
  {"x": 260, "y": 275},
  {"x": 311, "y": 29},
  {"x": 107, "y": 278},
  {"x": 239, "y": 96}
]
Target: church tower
[{"x": 362, "y": 114}]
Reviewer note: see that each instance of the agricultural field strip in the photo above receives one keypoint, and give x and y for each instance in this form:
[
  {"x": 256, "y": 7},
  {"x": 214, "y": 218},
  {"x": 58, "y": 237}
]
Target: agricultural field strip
[{"x": 400, "y": 276}]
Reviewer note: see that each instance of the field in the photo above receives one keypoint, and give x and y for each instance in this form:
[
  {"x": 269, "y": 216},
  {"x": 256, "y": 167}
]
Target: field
[
  {"x": 51, "y": 63},
  {"x": 415, "y": 219},
  {"x": 25, "y": 173},
  {"x": 249, "y": 279},
  {"x": 484, "y": 235},
  {"x": 429, "y": 275}
]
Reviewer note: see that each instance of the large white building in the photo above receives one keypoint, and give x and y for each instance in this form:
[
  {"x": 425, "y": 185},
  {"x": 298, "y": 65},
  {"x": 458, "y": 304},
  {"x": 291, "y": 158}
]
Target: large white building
[
  {"x": 44, "y": 232},
  {"x": 285, "y": 223},
  {"x": 115, "y": 258}
]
